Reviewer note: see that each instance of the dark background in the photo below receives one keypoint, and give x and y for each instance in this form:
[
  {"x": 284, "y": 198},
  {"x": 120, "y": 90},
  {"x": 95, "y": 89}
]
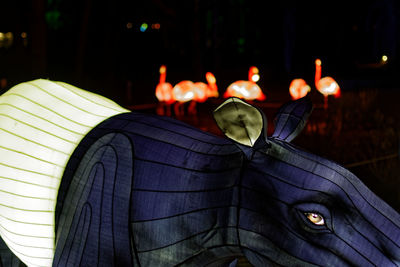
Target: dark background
[{"x": 98, "y": 45}]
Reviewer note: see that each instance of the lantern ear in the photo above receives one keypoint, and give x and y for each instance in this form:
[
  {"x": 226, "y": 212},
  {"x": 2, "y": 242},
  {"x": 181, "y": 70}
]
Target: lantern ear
[
  {"x": 240, "y": 121},
  {"x": 291, "y": 119}
]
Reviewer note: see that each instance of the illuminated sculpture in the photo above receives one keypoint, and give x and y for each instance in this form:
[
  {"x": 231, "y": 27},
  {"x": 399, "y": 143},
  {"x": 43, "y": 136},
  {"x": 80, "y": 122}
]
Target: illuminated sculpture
[
  {"x": 186, "y": 91},
  {"x": 326, "y": 85},
  {"x": 164, "y": 93},
  {"x": 204, "y": 91},
  {"x": 248, "y": 90},
  {"x": 41, "y": 124},
  {"x": 145, "y": 190},
  {"x": 183, "y": 92},
  {"x": 298, "y": 88}
]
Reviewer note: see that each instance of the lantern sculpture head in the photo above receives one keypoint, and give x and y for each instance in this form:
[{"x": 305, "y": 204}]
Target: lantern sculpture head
[
  {"x": 254, "y": 75},
  {"x": 298, "y": 88},
  {"x": 212, "y": 89},
  {"x": 248, "y": 90},
  {"x": 164, "y": 89},
  {"x": 326, "y": 85}
]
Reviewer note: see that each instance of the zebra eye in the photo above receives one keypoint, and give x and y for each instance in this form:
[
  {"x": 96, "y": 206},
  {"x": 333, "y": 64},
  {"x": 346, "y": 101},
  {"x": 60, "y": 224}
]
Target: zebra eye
[{"x": 315, "y": 218}]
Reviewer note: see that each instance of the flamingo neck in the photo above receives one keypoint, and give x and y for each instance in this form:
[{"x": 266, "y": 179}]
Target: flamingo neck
[
  {"x": 163, "y": 77},
  {"x": 251, "y": 73},
  {"x": 163, "y": 73},
  {"x": 213, "y": 86},
  {"x": 250, "y": 76},
  {"x": 317, "y": 73},
  {"x": 212, "y": 83}
]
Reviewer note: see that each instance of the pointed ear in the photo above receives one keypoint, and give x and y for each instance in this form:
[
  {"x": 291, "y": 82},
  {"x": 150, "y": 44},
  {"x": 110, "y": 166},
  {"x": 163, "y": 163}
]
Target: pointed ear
[
  {"x": 240, "y": 121},
  {"x": 291, "y": 119}
]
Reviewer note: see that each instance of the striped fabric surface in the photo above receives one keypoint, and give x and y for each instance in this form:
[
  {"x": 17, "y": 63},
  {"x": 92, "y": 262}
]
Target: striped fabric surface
[
  {"x": 144, "y": 190},
  {"x": 41, "y": 123}
]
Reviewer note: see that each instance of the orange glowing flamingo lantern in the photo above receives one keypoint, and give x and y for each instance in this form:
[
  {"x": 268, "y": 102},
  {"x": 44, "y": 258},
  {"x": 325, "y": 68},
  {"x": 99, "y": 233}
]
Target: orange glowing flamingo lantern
[
  {"x": 246, "y": 89},
  {"x": 327, "y": 85},
  {"x": 164, "y": 93},
  {"x": 183, "y": 92},
  {"x": 298, "y": 88},
  {"x": 186, "y": 91},
  {"x": 204, "y": 91}
]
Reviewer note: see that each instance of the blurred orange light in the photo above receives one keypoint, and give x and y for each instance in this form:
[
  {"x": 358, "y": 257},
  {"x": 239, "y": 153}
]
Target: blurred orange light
[{"x": 155, "y": 26}]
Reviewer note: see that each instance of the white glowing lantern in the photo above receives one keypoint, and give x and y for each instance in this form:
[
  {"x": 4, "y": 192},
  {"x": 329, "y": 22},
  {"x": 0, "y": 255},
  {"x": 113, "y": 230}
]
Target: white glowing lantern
[
  {"x": 246, "y": 89},
  {"x": 41, "y": 123}
]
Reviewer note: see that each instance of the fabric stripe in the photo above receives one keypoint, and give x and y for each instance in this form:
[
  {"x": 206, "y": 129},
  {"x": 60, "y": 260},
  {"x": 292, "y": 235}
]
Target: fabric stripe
[{"x": 41, "y": 123}]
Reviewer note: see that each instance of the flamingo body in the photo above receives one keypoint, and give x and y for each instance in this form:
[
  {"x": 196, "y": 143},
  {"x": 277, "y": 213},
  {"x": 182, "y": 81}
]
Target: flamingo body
[
  {"x": 184, "y": 91},
  {"x": 327, "y": 85},
  {"x": 298, "y": 88},
  {"x": 245, "y": 90},
  {"x": 164, "y": 89},
  {"x": 203, "y": 91},
  {"x": 187, "y": 90},
  {"x": 200, "y": 91},
  {"x": 164, "y": 93}
]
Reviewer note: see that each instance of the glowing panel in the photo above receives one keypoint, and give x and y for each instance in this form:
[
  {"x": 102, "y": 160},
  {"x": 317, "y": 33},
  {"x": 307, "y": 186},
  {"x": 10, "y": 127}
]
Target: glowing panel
[{"x": 41, "y": 123}]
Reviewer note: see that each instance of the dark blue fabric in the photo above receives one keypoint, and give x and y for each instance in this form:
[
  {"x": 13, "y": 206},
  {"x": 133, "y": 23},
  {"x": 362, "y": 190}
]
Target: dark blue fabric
[
  {"x": 7, "y": 258},
  {"x": 183, "y": 188},
  {"x": 93, "y": 229},
  {"x": 291, "y": 119},
  {"x": 144, "y": 190}
]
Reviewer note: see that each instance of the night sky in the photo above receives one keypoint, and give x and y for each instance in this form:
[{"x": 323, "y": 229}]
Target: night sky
[{"x": 100, "y": 45}]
